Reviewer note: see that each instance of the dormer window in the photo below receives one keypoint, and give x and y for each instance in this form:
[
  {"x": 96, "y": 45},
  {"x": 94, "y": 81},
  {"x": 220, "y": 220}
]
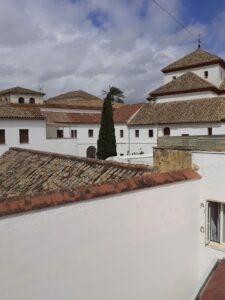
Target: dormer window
[
  {"x": 32, "y": 101},
  {"x": 174, "y": 77},
  {"x": 206, "y": 74},
  {"x": 21, "y": 100}
]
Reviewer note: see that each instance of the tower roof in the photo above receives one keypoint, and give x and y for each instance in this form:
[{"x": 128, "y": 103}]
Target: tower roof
[{"x": 197, "y": 58}]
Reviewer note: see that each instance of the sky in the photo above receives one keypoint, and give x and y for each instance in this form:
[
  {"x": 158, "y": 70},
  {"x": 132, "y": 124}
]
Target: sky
[{"x": 68, "y": 45}]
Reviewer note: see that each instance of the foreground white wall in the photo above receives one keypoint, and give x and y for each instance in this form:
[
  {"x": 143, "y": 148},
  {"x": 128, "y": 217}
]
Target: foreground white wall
[{"x": 137, "y": 245}]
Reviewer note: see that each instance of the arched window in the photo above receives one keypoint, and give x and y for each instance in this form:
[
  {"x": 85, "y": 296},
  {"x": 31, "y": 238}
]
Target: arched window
[
  {"x": 21, "y": 100},
  {"x": 166, "y": 131},
  {"x": 32, "y": 101},
  {"x": 91, "y": 152}
]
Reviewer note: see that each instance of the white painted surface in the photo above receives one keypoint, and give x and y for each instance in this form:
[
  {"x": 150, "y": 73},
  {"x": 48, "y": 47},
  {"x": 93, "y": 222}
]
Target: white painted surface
[
  {"x": 137, "y": 245},
  {"x": 15, "y": 97},
  {"x": 214, "y": 74},
  {"x": 185, "y": 96}
]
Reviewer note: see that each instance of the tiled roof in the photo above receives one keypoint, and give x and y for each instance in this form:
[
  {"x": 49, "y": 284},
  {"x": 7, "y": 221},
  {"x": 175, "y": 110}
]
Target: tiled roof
[
  {"x": 80, "y": 118},
  {"x": 24, "y": 172},
  {"x": 9, "y": 112},
  {"x": 124, "y": 113},
  {"x": 215, "y": 287},
  {"x": 190, "y": 111},
  {"x": 188, "y": 82},
  {"x": 45, "y": 180},
  {"x": 194, "y": 59},
  {"x": 20, "y": 90},
  {"x": 79, "y": 99}
]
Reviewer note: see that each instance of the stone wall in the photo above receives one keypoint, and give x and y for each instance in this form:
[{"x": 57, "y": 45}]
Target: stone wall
[{"x": 172, "y": 159}]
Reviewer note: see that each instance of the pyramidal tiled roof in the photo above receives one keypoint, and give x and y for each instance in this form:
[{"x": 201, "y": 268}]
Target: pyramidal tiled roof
[
  {"x": 188, "y": 82},
  {"x": 196, "y": 58},
  {"x": 20, "y": 90}
]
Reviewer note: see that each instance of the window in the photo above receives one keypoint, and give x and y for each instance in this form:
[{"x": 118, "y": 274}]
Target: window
[
  {"x": 215, "y": 222},
  {"x": 150, "y": 133},
  {"x": 32, "y": 101},
  {"x": 137, "y": 133},
  {"x": 209, "y": 130},
  {"x": 90, "y": 132},
  {"x": 59, "y": 133},
  {"x": 2, "y": 136},
  {"x": 174, "y": 77},
  {"x": 166, "y": 131},
  {"x": 121, "y": 133},
  {"x": 21, "y": 100},
  {"x": 74, "y": 133},
  {"x": 24, "y": 136},
  {"x": 185, "y": 134},
  {"x": 206, "y": 74}
]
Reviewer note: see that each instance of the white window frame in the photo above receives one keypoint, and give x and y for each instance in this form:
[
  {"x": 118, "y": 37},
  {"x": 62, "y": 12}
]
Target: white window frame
[{"x": 221, "y": 223}]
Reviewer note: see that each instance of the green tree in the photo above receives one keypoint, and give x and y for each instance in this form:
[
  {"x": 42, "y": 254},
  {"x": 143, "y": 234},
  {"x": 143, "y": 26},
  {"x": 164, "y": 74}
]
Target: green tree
[{"x": 106, "y": 139}]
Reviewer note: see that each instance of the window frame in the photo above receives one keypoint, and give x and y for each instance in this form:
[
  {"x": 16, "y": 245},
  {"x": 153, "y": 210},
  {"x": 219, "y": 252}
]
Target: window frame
[
  {"x": 32, "y": 100},
  {"x": 73, "y": 133},
  {"x": 2, "y": 137},
  {"x": 121, "y": 133},
  {"x": 90, "y": 133},
  {"x": 206, "y": 74},
  {"x": 59, "y": 134},
  {"x": 137, "y": 133},
  {"x": 23, "y": 140},
  {"x": 210, "y": 131},
  {"x": 21, "y": 100},
  {"x": 150, "y": 133}
]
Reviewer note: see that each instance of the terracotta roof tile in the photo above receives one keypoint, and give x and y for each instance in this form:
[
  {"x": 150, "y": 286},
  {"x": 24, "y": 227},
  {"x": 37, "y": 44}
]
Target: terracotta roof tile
[
  {"x": 8, "y": 112},
  {"x": 194, "y": 59},
  {"x": 190, "y": 111},
  {"x": 28, "y": 171},
  {"x": 20, "y": 90},
  {"x": 124, "y": 113},
  {"x": 188, "y": 82}
]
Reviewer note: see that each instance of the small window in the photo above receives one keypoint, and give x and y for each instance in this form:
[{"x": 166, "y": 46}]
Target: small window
[
  {"x": 74, "y": 133},
  {"x": 21, "y": 100},
  {"x": 90, "y": 133},
  {"x": 166, "y": 131},
  {"x": 206, "y": 74},
  {"x": 215, "y": 231},
  {"x": 121, "y": 133},
  {"x": 137, "y": 133},
  {"x": 174, "y": 77},
  {"x": 32, "y": 101},
  {"x": 2, "y": 136},
  {"x": 150, "y": 133},
  {"x": 59, "y": 133},
  {"x": 185, "y": 134},
  {"x": 209, "y": 130},
  {"x": 24, "y": 136}
]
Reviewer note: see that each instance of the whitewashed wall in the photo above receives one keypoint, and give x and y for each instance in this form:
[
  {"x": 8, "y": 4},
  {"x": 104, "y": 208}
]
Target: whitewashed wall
[
  {"x": 214, "y": 74},
  {"x": 15, "y": 97},
  {"x": 212, "y": 168},
  {"x": 37, "y": 134},
  {"x": 137, "y": 245},
  {"x": 186, "y": 96}
]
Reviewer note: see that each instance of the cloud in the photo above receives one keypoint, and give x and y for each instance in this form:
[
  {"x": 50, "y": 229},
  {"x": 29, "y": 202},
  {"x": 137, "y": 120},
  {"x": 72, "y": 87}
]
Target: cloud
[{"x": 65, "y": 45}]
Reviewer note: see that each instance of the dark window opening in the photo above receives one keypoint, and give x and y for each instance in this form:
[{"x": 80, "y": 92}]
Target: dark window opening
[
  {"x": 121, "y": 133},
  {"x": 166, "y": 131},
  {"x": 21, "y": 100},
  {"x": 185, "y": 134},
  {"x": 150, "y": 133},
  {"x": 137, "y": 133},
  {"x": 59, "y": 133},
  {"x": 90, "y": 132},
  {"x": 91, "y": 152},
  {"x": 32, "y": 101},
  {"x": 74, "y": 133},
  {"x": 174, "y": 77},
  {"x": 24, "y": 136},
  {"x": 209, "y": 130},
  {"x": 2, "y": 136},
  {"x": 206, "y": 74}
]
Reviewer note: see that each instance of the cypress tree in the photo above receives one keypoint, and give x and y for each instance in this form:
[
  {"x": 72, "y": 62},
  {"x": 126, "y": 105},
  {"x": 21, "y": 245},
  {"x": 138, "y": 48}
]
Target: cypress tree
[{"x": 106, "y": 139}]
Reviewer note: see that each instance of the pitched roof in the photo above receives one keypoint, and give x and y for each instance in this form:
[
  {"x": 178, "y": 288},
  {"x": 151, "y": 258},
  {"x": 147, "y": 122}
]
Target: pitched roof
[
  {"x": 32, "y": 180},
  {"x": 79, "y": 99},
  {"x": 29, "y": 171},
  {"x": 20, "y": 90},
  {"x": 188, "y": 82},
  {"x": 124, "y": 113},
  {"x": 194, "y": 59},
  {"x": 190, "y": 111},
  {"x": 79, "y": 118},
  {"x": 8, "y": 112}
]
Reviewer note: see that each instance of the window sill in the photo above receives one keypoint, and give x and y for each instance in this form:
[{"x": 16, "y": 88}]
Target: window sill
[{"x": 216, "y": 246}]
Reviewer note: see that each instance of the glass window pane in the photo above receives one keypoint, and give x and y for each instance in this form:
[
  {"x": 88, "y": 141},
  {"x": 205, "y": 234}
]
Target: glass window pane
[{"x": 214, "y": 221}]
